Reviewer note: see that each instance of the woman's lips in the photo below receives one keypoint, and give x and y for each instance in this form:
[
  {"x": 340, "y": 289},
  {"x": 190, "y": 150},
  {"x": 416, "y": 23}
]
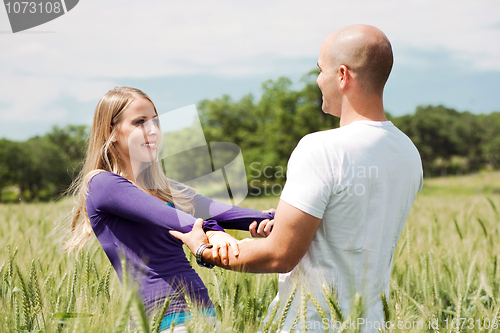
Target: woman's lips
[{"x": 150, "y": 145}]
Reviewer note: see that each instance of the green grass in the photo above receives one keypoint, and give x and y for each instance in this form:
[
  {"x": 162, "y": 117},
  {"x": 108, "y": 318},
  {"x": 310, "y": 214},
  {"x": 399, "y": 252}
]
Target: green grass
[
  {"x": 446, "y": 266},
  {"x": 486, "y": 183}
]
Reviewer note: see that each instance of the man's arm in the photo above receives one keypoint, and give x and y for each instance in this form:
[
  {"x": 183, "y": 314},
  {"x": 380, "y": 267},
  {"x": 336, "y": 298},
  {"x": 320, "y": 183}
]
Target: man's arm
[{"x": 280, "y": 252}]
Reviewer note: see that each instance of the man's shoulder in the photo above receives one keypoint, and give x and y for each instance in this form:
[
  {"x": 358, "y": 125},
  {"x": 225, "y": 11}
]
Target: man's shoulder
[
  {"x": 317, "y": 148},
  {"x": 332, "y": 138},
  {"x": 361, "y": 137},
  {"x": 321, "y": 137}
]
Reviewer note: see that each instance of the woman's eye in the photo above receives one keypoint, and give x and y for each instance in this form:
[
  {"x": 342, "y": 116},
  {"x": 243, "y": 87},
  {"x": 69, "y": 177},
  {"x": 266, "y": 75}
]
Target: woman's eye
[
  {"x": 139, "y": 122},
  {"x": 156, "y": 121}
]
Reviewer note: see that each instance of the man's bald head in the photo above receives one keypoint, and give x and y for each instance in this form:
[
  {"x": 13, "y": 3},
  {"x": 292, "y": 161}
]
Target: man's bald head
[{"x": 365, "y": 51}]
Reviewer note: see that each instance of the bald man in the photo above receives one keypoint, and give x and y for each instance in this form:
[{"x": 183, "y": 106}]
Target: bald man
[{"x": 348, "y": 194}]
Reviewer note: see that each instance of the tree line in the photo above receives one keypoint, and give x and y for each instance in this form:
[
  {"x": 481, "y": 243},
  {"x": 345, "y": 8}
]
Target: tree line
[
  {"x": 41, "y": 167},
  {"x": 267, "y": 131},
  {"x": 449, "y": 142}
]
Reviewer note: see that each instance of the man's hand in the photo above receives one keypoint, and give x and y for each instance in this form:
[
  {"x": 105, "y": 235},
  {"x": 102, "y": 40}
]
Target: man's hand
[
  {"x": 245, "y": 240},
  {"x": 194, "y": 238},
  {"x": 278, "y": 253},
  {"x": 221, "y": 242}
]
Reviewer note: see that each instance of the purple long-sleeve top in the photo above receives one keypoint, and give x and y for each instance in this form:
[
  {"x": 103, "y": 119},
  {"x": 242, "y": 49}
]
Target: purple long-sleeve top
[{"x": 128, "y": 221}]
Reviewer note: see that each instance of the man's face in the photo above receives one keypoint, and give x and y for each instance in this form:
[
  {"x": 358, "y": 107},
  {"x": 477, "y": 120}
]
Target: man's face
[{"x": 328, "y": 82}]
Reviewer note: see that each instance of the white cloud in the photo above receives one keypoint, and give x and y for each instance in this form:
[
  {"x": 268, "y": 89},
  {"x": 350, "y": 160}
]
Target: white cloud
[
  {"x": 137, "y": 39},
  {"x": 155, "y": 38},
  {"x": 32, "y": 98}
]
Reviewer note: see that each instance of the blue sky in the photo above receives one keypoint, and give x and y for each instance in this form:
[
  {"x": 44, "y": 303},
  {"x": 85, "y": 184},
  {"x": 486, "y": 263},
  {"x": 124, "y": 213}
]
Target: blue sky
[{"x": 179, "y": 52}]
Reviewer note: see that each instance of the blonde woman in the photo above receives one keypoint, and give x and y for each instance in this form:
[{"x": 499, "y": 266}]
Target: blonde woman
[{"x": 123, "y": 197}]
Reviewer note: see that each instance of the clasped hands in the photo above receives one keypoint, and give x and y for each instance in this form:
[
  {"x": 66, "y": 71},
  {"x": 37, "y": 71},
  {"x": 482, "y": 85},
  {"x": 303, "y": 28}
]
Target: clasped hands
[{"x": 221, "y": 242}]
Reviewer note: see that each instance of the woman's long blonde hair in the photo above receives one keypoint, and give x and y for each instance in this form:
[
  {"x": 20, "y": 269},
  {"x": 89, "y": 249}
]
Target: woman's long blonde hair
[{"x": 103, "y": 156}]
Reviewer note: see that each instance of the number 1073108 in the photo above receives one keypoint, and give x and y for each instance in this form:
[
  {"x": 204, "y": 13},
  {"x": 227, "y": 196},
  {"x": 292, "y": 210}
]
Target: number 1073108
[
  {"x": 471, "y": 323},
  {"x": 33, "y": 7}
]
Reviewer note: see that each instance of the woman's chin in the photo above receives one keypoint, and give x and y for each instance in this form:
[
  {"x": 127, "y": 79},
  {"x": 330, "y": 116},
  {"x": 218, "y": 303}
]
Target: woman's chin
[
  {"x": 145, "y": 159},
  {"x": 144, "y": 155}
]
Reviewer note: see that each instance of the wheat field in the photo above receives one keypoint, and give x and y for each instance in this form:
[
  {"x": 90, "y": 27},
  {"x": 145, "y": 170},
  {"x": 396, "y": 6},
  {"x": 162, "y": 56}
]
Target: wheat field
[{"x": 445, "y": 277}]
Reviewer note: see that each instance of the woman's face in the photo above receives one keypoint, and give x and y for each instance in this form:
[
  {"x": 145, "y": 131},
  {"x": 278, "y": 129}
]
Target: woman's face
[{"x": 138, "y": 137}]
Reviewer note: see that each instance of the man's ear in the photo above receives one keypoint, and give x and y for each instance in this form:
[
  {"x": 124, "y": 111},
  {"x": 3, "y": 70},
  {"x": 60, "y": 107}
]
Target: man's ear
[{"x": 344, "y": 76}]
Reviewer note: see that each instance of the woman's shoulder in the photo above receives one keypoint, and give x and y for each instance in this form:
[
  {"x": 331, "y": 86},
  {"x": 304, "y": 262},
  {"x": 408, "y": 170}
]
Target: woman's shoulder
[{"x": 105, "y": 179}]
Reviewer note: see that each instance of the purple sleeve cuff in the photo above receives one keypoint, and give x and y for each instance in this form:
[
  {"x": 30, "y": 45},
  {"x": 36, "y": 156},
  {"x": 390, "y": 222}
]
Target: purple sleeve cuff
[{"x": 212, "y": 225}]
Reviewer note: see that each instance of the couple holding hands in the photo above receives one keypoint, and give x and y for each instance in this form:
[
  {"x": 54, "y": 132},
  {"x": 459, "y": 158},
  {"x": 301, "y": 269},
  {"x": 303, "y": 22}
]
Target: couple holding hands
[{"x": 348, "y": 193}]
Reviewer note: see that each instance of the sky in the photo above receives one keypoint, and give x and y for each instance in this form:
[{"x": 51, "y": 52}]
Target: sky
[{"x": 181, "y": 52}]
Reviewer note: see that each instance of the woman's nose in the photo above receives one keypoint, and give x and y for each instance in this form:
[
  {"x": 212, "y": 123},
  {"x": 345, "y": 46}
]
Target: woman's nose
[{"x": 151, "y": 128}]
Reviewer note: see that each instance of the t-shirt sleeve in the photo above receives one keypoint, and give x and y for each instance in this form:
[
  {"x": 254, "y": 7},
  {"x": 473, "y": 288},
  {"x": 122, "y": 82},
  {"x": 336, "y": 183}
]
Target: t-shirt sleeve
[
  {"x": 113, "y": 194},
  {"x": 309, "y": 178},
  {"x": 227, "y": 216}
]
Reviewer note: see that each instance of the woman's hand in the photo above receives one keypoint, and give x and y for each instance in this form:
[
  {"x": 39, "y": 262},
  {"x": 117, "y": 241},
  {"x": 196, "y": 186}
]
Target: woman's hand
[
  {"x": 221, "y": 242},
  {"x": 263, "y": 230}
]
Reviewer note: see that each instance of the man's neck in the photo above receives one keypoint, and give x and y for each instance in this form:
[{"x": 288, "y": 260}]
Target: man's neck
[
  {"x": 346, "y": 120},
  {"x": 371, "y": 110}
]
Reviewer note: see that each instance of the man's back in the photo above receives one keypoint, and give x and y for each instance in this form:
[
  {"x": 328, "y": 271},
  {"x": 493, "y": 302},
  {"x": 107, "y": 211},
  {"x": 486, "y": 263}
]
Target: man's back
[
  {"x": 361, "y": 180},
  {"x": 348, "y": 192}
]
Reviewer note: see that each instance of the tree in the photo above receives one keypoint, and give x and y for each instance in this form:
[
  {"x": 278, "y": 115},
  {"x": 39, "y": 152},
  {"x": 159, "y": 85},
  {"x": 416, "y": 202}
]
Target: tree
[
  {"x": 72, "y": 140},
  {"x": 448, "y": 141},
  {"x": 10, "y": 158},
  {"x": 267, "y": 132},
  {"x": 490, "y": 139},
  {"x": 43, "y": 167}
]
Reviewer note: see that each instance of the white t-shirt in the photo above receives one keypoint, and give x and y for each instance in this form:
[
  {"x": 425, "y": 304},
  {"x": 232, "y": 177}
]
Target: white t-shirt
[{"x": 361, "y": 180}]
